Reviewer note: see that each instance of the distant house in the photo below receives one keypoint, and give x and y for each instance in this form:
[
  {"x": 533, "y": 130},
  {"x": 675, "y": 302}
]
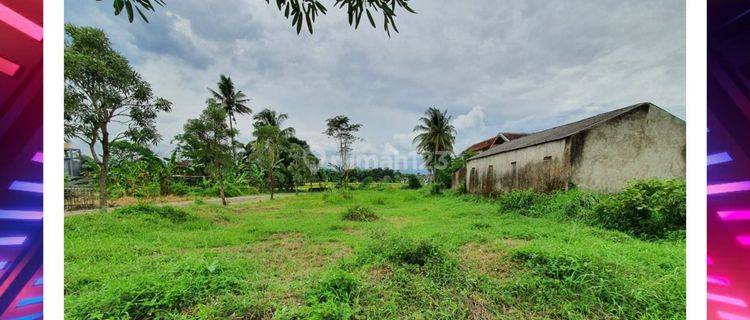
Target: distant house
[
  {"x": 599, "y": 153},
  {"x": 72, "y": 162},
  {"x": 500, "y": 138},
  {"x": 495, "y": 140}
]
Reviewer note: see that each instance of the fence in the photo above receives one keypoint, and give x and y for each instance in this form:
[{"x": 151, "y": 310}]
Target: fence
[{"x": 80, "y": 198}]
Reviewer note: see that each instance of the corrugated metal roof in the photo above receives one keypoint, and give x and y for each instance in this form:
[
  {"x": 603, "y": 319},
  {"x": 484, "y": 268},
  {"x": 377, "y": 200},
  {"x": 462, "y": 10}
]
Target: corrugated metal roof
[
  {"x": 559, "y": 132},
  {"x": 486, "y": 144}
]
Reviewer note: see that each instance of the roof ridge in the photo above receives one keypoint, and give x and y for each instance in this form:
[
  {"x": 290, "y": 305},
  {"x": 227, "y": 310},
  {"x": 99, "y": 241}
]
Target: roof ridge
[{"x": 536, "y": 138}]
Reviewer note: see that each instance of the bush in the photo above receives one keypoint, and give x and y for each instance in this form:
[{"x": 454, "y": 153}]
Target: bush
[
  {"x": 337, "y": 296},
  {"x": 518, "y": 200},
  {"x": 167, "y": 212},
  {"x": 432, "y": 189},
  {"x": 148, "y": 296},
  {"x": 366, "y": 183},
  {"x": 413, "y": 182},
  {"x": 400, "y": 250},
  {"x": 150, "y": 190},
  {"x": 386, "y": 179},
  {"x": 359, "y": 213},
  {"x": 180, "y": 189},
  {"x": 648, "y": 209}
]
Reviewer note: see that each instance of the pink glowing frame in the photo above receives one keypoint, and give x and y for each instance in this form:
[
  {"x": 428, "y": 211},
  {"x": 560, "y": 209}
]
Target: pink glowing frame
[
  {"x": 8, "y": 68},
  {"x": 727, "y": 300},
  {"x": 731, "y": 316},
  {"x": 744, "y": 239},
  {"x": 20, "y": 23},
  {"x": 717, "y": 280},
  {"x": 733, "y": 215},
  {"x": 728, "y": 187}
]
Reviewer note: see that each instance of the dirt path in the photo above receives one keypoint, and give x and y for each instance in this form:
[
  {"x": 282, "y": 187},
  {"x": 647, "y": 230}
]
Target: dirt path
[{"x": 240, "y": 199}]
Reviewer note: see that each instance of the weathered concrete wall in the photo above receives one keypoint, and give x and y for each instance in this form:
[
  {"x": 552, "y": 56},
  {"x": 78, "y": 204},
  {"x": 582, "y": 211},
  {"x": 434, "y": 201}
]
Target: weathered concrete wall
[
  {"x": 645, "y": 143},
  {"x": 531, "y": 170}
]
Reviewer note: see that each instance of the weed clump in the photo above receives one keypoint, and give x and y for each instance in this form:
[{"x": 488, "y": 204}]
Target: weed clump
[
  {"x": 336, "y": 296},
  {"x": 151, "y": 296},
  {"x": 518, "y": 200},
  {"x": 407, "y": 251},
  {"x": 359, "y": 213},
  {"x": 166, "y": 212},
  {"x": 379, "y": 201},
  {"x": 413, "y": 182},
  {"x": 650, "y": 209}
]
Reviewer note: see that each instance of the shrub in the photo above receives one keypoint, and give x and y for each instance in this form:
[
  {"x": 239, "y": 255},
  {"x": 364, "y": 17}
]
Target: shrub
[
  {"x": 432, "y": 189},
  {"x": 150, "y": 190},
  {"x": 647, "y": 209},
  {"x": 149, "y": 296},
  {"x": 180, "y": 189},
  {"x": 167, "y": 212},
  {"x": 336, "y": 296},
  {"x": 359, "y": 213},
  {"x": 413, "y": 182},
  {"x": 386, "y": 179},
  {"x": 400, "y": 250},
  {"x": 366, "y": 183},
  {"x": 379, "y": 201},
  {"x": 518, "y": 200}
]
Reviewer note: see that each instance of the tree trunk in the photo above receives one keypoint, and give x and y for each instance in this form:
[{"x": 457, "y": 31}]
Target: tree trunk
[
  {"x": 434, "y": 171},
  {"x": 104, "y": 170},
  {"x": 221, "y": 187},
  {"x": 231, "y": 136},
  {"x": 270, "y": 178}
]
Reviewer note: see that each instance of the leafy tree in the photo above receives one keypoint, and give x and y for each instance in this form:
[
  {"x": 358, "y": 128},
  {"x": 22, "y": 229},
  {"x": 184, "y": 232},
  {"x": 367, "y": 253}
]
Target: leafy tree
[
  {"x": 298, "y": 167},
  {"x": 133, "y": 166},
  {"x": 302, "y": 12},
  {"x": 207, "y": 140},
  {"x": 267, "y": 151},
  {"x": 234, "y": 102},
  {"x": 101, "y": 88},
  {"x": 435, "y": 139},
  {"x": 267, "y": 117},
  {"x": 340, "y": 129}
]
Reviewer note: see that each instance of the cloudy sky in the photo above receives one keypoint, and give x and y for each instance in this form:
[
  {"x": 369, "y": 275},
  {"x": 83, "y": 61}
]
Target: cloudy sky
[{"x": 517, "y": 66}]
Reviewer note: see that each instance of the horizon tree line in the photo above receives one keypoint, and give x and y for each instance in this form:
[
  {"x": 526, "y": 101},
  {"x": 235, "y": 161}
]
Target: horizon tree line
[{"x": 108, "y": 104}]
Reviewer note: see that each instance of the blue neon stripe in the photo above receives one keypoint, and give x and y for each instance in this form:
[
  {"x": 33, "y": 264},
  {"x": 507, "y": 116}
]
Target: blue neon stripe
[
  {"x": 38, "y": 282},
  {"x": 11, "y": 241},
  {"x": 718, "y": 158},
  {"x": 3, "y": 264},
  {"x": 33, "y": 316},
  {"x": 20, "y": 215},
  {"x": 30, "y": 301},
  {"x": 26, "y": 186}
]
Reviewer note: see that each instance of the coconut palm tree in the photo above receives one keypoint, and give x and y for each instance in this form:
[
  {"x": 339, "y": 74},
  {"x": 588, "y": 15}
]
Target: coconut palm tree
[
  {"x": 436, "y": 137},
  {"x": 268, "y": 117},
  {"x": 234, "y": 102}
]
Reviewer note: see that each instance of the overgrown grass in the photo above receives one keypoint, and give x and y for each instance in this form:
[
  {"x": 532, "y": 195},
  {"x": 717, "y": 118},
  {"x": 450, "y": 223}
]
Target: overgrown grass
[
  {"x": 426, "y": 257},
  {"x": 359, "y": 213}
]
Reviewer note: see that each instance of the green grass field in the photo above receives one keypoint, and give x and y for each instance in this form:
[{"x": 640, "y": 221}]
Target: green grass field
[{"x": 412, "y": 256}]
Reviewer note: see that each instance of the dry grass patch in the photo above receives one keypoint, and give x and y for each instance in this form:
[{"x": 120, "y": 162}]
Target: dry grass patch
[
  {"x": 492, "y": 258},
  {"x": 293, "y": 256}
]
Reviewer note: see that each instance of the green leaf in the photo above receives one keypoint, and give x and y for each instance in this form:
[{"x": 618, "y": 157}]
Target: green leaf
[{"x": 129, "y": 9}]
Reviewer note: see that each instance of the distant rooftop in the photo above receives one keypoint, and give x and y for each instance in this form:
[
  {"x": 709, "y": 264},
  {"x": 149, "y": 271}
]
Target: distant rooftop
[
  {"x": 497, "y": 139},
  {"x": 559, "y": 132}
]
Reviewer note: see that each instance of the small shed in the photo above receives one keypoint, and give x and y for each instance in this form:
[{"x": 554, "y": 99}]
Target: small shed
[{"x": 600, "y": 153}]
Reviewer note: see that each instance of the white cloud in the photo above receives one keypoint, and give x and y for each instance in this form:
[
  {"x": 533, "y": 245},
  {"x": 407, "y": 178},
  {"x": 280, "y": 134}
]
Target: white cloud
[{"x": 504, "y": 57}]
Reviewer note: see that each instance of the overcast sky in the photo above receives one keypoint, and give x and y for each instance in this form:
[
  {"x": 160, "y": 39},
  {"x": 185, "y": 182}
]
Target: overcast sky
[{"x": 515, "y": 66}]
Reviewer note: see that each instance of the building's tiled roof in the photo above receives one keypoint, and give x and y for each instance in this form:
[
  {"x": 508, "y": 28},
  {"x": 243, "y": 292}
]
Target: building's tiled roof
[
  {"x": 486, "y": 144},
  {"x": 558, "y": 133}
]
